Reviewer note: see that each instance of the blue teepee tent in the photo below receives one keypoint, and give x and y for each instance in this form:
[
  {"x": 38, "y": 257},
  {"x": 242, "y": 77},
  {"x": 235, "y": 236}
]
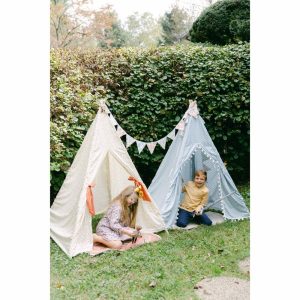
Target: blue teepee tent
[{"x": 193, "y": 149}]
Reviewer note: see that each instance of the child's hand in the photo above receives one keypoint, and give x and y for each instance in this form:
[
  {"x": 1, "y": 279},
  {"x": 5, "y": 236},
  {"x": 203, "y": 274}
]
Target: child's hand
[
  {"x": 199, "y": 211},
  {"x": 138, "y": 228},
  {"x": 136, "y": 233},
  {"x": 133, "y": 233},
  {"x": 130, "y": 232}
]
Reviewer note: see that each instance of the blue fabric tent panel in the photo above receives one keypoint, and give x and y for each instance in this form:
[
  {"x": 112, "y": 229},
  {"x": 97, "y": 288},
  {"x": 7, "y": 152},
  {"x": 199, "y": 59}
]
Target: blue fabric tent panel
[{"x": 189, "y": 152}]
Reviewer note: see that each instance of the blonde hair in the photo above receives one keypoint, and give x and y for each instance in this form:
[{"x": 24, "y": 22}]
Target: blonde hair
[
  {"x": 128, "y": 213},
  {"x": 201, "y": 173}
]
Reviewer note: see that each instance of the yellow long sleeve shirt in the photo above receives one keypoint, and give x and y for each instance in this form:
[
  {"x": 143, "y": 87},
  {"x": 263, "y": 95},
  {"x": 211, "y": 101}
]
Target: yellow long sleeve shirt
[{"x": 195, "y": 197}]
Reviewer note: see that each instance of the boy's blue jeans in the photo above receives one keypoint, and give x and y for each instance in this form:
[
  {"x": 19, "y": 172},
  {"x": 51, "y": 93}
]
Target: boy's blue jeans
[{"x": 184, "y": 218}]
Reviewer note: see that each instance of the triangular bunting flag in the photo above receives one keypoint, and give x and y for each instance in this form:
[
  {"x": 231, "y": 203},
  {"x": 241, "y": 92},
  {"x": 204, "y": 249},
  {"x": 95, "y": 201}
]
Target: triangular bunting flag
[
  {"x": 171, "y": 135},
  {"x": 120, "y": 131},
  {"x": 162, "y": 142},
  {"x": 140, "y": 146},
  {"x": 129, "y": 140},
  {"x": 151, "y": 146},
  {"x": 180, "y": 125},
  {"x": 113, "y": 120}
]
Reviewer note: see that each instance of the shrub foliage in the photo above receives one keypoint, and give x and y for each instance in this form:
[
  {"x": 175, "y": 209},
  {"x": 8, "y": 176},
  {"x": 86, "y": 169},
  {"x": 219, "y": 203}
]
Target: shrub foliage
[
  {"x": 224, "y": 22},
  {"x": 148, "y": 93}
]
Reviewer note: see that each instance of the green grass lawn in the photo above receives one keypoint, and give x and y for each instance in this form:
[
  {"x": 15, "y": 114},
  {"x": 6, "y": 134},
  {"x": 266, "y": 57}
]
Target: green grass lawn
[{"x": 175, "y": 264}]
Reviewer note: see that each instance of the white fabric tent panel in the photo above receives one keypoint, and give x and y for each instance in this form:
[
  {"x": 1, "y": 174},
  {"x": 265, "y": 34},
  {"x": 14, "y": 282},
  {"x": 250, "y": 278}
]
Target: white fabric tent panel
[
  {"x": 64, "y": 209},
  {"x": 101, "y": 191},
  {"x": 102, "y": 159},
  {"x": 118, "y": 175},
  {"x": 148, "y": 215}
]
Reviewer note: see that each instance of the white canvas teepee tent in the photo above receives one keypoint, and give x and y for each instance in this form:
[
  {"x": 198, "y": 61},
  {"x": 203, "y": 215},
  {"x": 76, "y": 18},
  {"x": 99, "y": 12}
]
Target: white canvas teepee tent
[
  {"x": 104, "y": 161},
  {"x": 191, "y": 150}
]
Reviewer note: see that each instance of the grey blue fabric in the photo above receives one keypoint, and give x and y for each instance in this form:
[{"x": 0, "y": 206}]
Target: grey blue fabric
[{"x": 193, "y": 149}]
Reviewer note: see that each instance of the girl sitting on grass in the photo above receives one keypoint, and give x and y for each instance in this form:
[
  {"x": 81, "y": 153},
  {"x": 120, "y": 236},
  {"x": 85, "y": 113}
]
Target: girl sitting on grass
[
  {"x": 196, "y": 196},
  {"x": 118, "y": 224}
]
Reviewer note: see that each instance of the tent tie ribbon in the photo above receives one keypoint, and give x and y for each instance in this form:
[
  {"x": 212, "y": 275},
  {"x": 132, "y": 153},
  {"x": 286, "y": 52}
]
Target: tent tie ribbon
[
  {"x": 90, "y": 199},
  {"x": 144, "y": 195}
]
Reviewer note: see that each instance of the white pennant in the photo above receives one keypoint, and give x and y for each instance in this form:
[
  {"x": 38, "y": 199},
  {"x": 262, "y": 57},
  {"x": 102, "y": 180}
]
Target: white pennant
[
  {"x": 140, "y": 146},
  {"x": 113, "y": 120},
  {"x": 129, "y": 140},
  {"x": 120, "y": 131},
  {"x": 171, "y": 135},
  {"x": 162, "y": 142},
  {"x": 180, "y": 125},
  {"x": 151, "y": 146}
]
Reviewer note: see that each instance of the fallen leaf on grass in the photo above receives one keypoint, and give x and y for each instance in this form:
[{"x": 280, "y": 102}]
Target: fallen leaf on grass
[
  {"x": 152, "y": 284},
  {"x": 59, "y": 286}
]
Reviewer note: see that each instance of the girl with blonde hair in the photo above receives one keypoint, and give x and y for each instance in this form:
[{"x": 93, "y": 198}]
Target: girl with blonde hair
[{"x": 118, "y": 224}]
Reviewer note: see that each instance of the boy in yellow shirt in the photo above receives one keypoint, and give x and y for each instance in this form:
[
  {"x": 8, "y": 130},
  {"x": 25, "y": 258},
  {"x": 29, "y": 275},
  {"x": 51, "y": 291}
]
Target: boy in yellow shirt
[{"x": 196, "y": 196}]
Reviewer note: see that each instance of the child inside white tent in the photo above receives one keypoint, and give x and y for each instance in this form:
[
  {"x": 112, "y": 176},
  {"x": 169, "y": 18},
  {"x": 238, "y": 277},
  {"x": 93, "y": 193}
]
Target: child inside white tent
[{"x": 118, "y": 224}]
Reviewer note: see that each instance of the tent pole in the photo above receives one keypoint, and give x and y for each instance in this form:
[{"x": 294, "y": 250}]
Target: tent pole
[{"x": 212, "y": 204}]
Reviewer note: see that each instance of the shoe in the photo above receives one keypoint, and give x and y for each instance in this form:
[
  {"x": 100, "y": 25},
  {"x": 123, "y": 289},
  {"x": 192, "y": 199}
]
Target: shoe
[
  {"x": 175, "y": 227},
  {"x": 191, "y": 226}
]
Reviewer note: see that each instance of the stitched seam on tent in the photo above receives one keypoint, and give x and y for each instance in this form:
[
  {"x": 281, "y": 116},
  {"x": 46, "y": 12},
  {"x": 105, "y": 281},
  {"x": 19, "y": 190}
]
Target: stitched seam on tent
[
  {"x": 107, "y": 167},
  {"x": 81, "y": 208}
]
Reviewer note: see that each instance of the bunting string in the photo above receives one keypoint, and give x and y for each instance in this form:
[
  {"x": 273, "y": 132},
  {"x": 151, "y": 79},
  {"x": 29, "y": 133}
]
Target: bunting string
[{"x": 179, "y": 128}]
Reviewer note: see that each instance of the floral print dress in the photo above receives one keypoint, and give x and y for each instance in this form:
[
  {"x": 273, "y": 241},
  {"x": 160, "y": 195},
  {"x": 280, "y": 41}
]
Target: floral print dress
[{"x": 110, "y": 225}]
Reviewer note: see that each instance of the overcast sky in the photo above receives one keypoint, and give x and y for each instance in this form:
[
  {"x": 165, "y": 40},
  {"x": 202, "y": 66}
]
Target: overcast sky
[{"x": 125, "y": 8}]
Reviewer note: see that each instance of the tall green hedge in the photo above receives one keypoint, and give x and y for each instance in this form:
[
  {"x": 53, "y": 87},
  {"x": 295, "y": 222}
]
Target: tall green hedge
[{"x": 148, "y": 93}]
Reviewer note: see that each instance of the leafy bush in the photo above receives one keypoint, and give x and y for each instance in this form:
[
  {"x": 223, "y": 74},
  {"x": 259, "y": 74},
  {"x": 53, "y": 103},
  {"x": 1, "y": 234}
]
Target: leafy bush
[
  {"x": 224, "y": 22},
  {"x": 148, "y": 93}
]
